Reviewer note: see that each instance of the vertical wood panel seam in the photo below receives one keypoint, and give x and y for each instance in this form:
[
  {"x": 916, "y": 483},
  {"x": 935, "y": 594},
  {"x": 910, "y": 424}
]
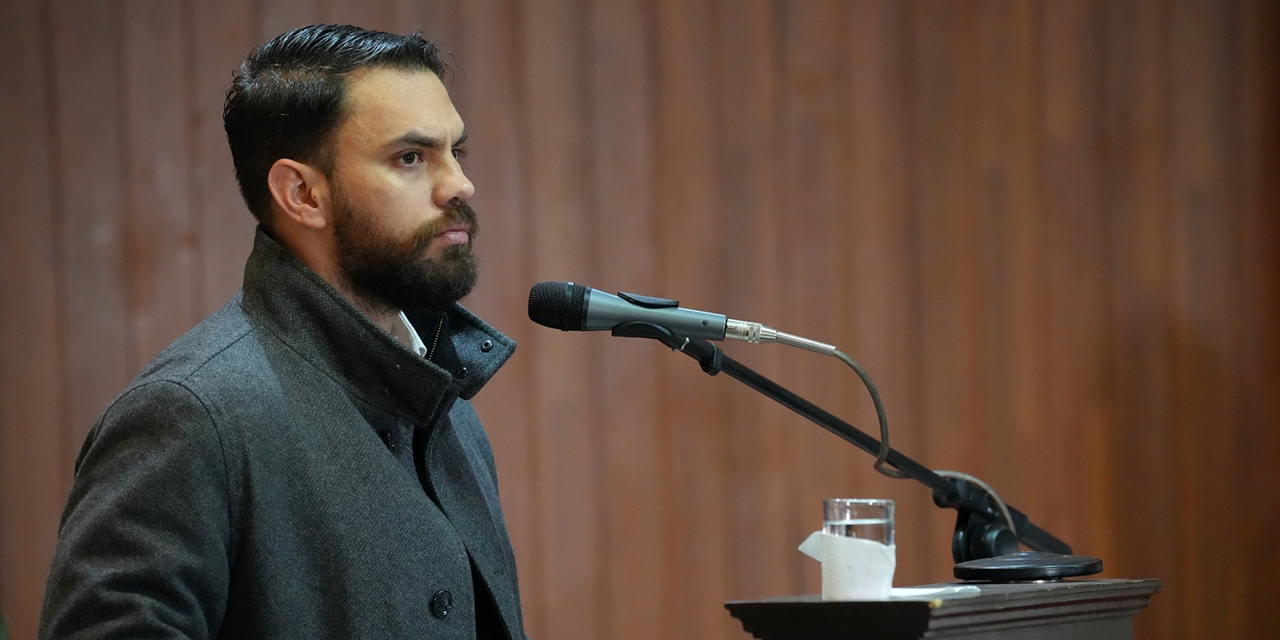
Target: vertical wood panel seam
[
  {"x": 914, "y": 243},
  {"x": 1256, "y": 370},
  {"x": 781, "y": 112},
  {"x": 663, "y": 434},
  {"x": 1234, "y": 187},
  {"x": 191, "y": 98},
  {"x": 1042, "y": 302},
  {"x": 57, "y": 221},
  {"x": 128, "y": 195},
  {"x": 713, "y": 47},
  {"x": 918, "y": 385},
  {"x": 1106, "y": 182},
  {"x": 1111, "y": 232},
  {"x": 598, "y": 446},
  {"x": 257, "y": 23},
  {"x": 730, "y": 460},
  {"x": 1183, "y": 607},
  {"x": 453, "y": 17},
  {"x": 667, "y": 511},
  {"x": 1164, "y": 70},
  {"x": 528, "y": 262}
]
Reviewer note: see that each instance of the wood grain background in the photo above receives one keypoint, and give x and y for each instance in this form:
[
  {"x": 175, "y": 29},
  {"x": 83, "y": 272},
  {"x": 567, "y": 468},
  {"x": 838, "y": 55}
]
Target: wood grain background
[{"x": 1050, "y": 230}]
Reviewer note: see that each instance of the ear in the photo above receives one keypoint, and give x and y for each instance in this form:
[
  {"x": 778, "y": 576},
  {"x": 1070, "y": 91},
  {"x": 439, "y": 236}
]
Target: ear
[{"x": 301, "y": 193}]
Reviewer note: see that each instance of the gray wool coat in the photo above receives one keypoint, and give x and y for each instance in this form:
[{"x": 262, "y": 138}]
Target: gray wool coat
[{"x": 257, "y": 481}]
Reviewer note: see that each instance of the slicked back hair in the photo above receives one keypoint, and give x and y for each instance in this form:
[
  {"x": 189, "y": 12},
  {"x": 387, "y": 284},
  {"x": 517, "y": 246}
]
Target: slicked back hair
[{"x": 287, "y": 98}]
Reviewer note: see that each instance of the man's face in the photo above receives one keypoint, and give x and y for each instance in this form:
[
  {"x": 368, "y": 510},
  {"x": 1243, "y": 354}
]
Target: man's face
[{"x": 402, "y": 228}]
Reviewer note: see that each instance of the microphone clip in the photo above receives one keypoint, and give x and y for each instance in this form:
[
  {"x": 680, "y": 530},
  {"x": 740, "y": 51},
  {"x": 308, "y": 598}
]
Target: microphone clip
[{"x": 708, "y": 355}]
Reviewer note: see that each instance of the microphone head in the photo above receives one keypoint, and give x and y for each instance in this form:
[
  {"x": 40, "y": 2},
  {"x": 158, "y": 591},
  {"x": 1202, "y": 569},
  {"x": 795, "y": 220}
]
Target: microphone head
[{"x": 558, "y": 305}]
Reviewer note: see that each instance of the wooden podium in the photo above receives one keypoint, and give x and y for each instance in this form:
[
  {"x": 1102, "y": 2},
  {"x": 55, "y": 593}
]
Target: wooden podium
[{"x": 1060, "y": 610}]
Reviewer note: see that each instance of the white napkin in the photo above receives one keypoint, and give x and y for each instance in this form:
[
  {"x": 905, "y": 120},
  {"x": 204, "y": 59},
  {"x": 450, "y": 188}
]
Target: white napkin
[
  {"x": 852, "y": 568},
  {"x": 935, "y": 593}
]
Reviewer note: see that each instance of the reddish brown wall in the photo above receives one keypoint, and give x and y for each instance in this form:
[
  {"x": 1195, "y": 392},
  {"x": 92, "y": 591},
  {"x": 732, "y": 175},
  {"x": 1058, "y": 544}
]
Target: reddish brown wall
[{"x": 1050, "y": 230}]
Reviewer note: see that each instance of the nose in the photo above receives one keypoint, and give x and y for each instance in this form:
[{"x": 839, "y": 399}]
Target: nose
[{"x": 453, "y": 185}]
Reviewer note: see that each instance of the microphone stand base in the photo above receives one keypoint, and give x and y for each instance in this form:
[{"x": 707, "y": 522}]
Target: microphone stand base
[{"x": 1027, "y": 566}]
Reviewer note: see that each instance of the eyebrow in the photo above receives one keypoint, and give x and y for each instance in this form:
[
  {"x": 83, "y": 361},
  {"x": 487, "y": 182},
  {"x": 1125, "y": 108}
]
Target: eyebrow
[{"x": 420, "y": 140}]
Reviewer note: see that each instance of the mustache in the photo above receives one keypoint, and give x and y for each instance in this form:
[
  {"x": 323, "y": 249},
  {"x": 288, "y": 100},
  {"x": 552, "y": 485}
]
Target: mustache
[{"x": 459, "y": 213}]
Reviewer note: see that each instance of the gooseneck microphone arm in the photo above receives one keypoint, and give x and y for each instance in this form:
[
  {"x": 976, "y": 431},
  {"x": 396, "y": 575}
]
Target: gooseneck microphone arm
[
  {"x": 985, "y": 525},
  {"x": 981, "y": 531}
]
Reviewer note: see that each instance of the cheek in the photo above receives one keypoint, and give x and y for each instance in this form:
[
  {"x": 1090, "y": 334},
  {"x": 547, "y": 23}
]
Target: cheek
[
  {"x": 376, "y": 197},
  {"x": 409, "y": 199},
  {"x": 401, "y": 201}
]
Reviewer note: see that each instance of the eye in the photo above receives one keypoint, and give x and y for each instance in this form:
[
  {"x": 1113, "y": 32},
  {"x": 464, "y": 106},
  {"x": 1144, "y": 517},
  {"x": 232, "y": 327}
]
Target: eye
[
  {"x": 459, "y": 153},
  {"x": 409, "y": 158}
]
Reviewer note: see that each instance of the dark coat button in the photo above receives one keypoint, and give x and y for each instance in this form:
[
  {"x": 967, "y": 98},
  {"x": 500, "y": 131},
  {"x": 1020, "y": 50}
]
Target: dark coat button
[
  {"x": 462, "y": 372},
  {"x": 486, "y": 346},
  {"x": 441, "y": 604}
]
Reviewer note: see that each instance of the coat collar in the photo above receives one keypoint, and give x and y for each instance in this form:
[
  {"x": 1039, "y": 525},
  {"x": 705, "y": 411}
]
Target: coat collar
[{"x": 297, "y": 306}]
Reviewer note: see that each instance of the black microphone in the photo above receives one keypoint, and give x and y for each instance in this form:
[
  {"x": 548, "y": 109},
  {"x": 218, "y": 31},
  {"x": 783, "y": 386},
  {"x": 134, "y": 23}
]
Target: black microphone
[{"x": 573, "y": 307}]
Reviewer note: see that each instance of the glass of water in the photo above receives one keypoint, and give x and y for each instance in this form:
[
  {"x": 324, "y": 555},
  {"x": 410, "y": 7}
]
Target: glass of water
[{"x": 867, "y": 519}]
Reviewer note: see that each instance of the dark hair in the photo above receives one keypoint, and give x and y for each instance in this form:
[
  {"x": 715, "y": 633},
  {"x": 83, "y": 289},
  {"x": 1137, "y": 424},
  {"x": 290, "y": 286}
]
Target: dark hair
[{"x": 287, "y": 98}]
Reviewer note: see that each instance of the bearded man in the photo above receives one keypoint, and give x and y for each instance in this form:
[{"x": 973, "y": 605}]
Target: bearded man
[{"x": 305, "y": 463}]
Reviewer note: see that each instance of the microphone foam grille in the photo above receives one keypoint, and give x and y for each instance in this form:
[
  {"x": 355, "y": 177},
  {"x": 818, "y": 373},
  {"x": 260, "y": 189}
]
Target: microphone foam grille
[{"x": 557, "y": 305}]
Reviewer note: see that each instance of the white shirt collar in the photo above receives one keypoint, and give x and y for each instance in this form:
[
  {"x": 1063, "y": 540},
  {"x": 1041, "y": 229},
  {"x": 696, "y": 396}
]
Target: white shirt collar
[{"x": 402, "y": 330}]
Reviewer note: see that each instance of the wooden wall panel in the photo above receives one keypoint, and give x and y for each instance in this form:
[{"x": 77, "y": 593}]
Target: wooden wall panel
[
  {"x": 1050, "y": 231},
  {"x": 1137, "y": 125},
  {"x": 1206, "y": 297},
  {"x": 371, "y": 14},
  {"x": 438, "y": 20},
  {"x": 32, "y": 373},
  {"x": 553, "y": 43},
  {"x": 1259, "y": 101},
  {"x": 160, "y": 248},
  {"x": 93, "y": 318},
  {"x": 948, "y": 288},
  {"x": 1010, "y": 188},
  {"x": 816, "y": 263},
  {"x": 217, "y": 37},
  {"x": 689, "y": 251},
  {"x": 814, "y": 163},
  {"x": 1074, "y": 241},
  {"x": 761, "y": 449},
  {"x": 279, "y": 16},
  {"x": 882, "y": 237},
  {"x": 622, "y": 152}
]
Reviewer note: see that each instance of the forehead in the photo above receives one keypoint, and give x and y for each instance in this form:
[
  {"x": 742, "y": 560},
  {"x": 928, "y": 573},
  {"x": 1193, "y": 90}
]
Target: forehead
[{"x": 383, "y": 104}]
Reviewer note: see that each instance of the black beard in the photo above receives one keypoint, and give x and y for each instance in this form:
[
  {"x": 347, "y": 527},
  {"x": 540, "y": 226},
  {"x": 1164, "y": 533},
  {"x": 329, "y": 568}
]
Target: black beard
[{"x": 388, "y": 274}]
